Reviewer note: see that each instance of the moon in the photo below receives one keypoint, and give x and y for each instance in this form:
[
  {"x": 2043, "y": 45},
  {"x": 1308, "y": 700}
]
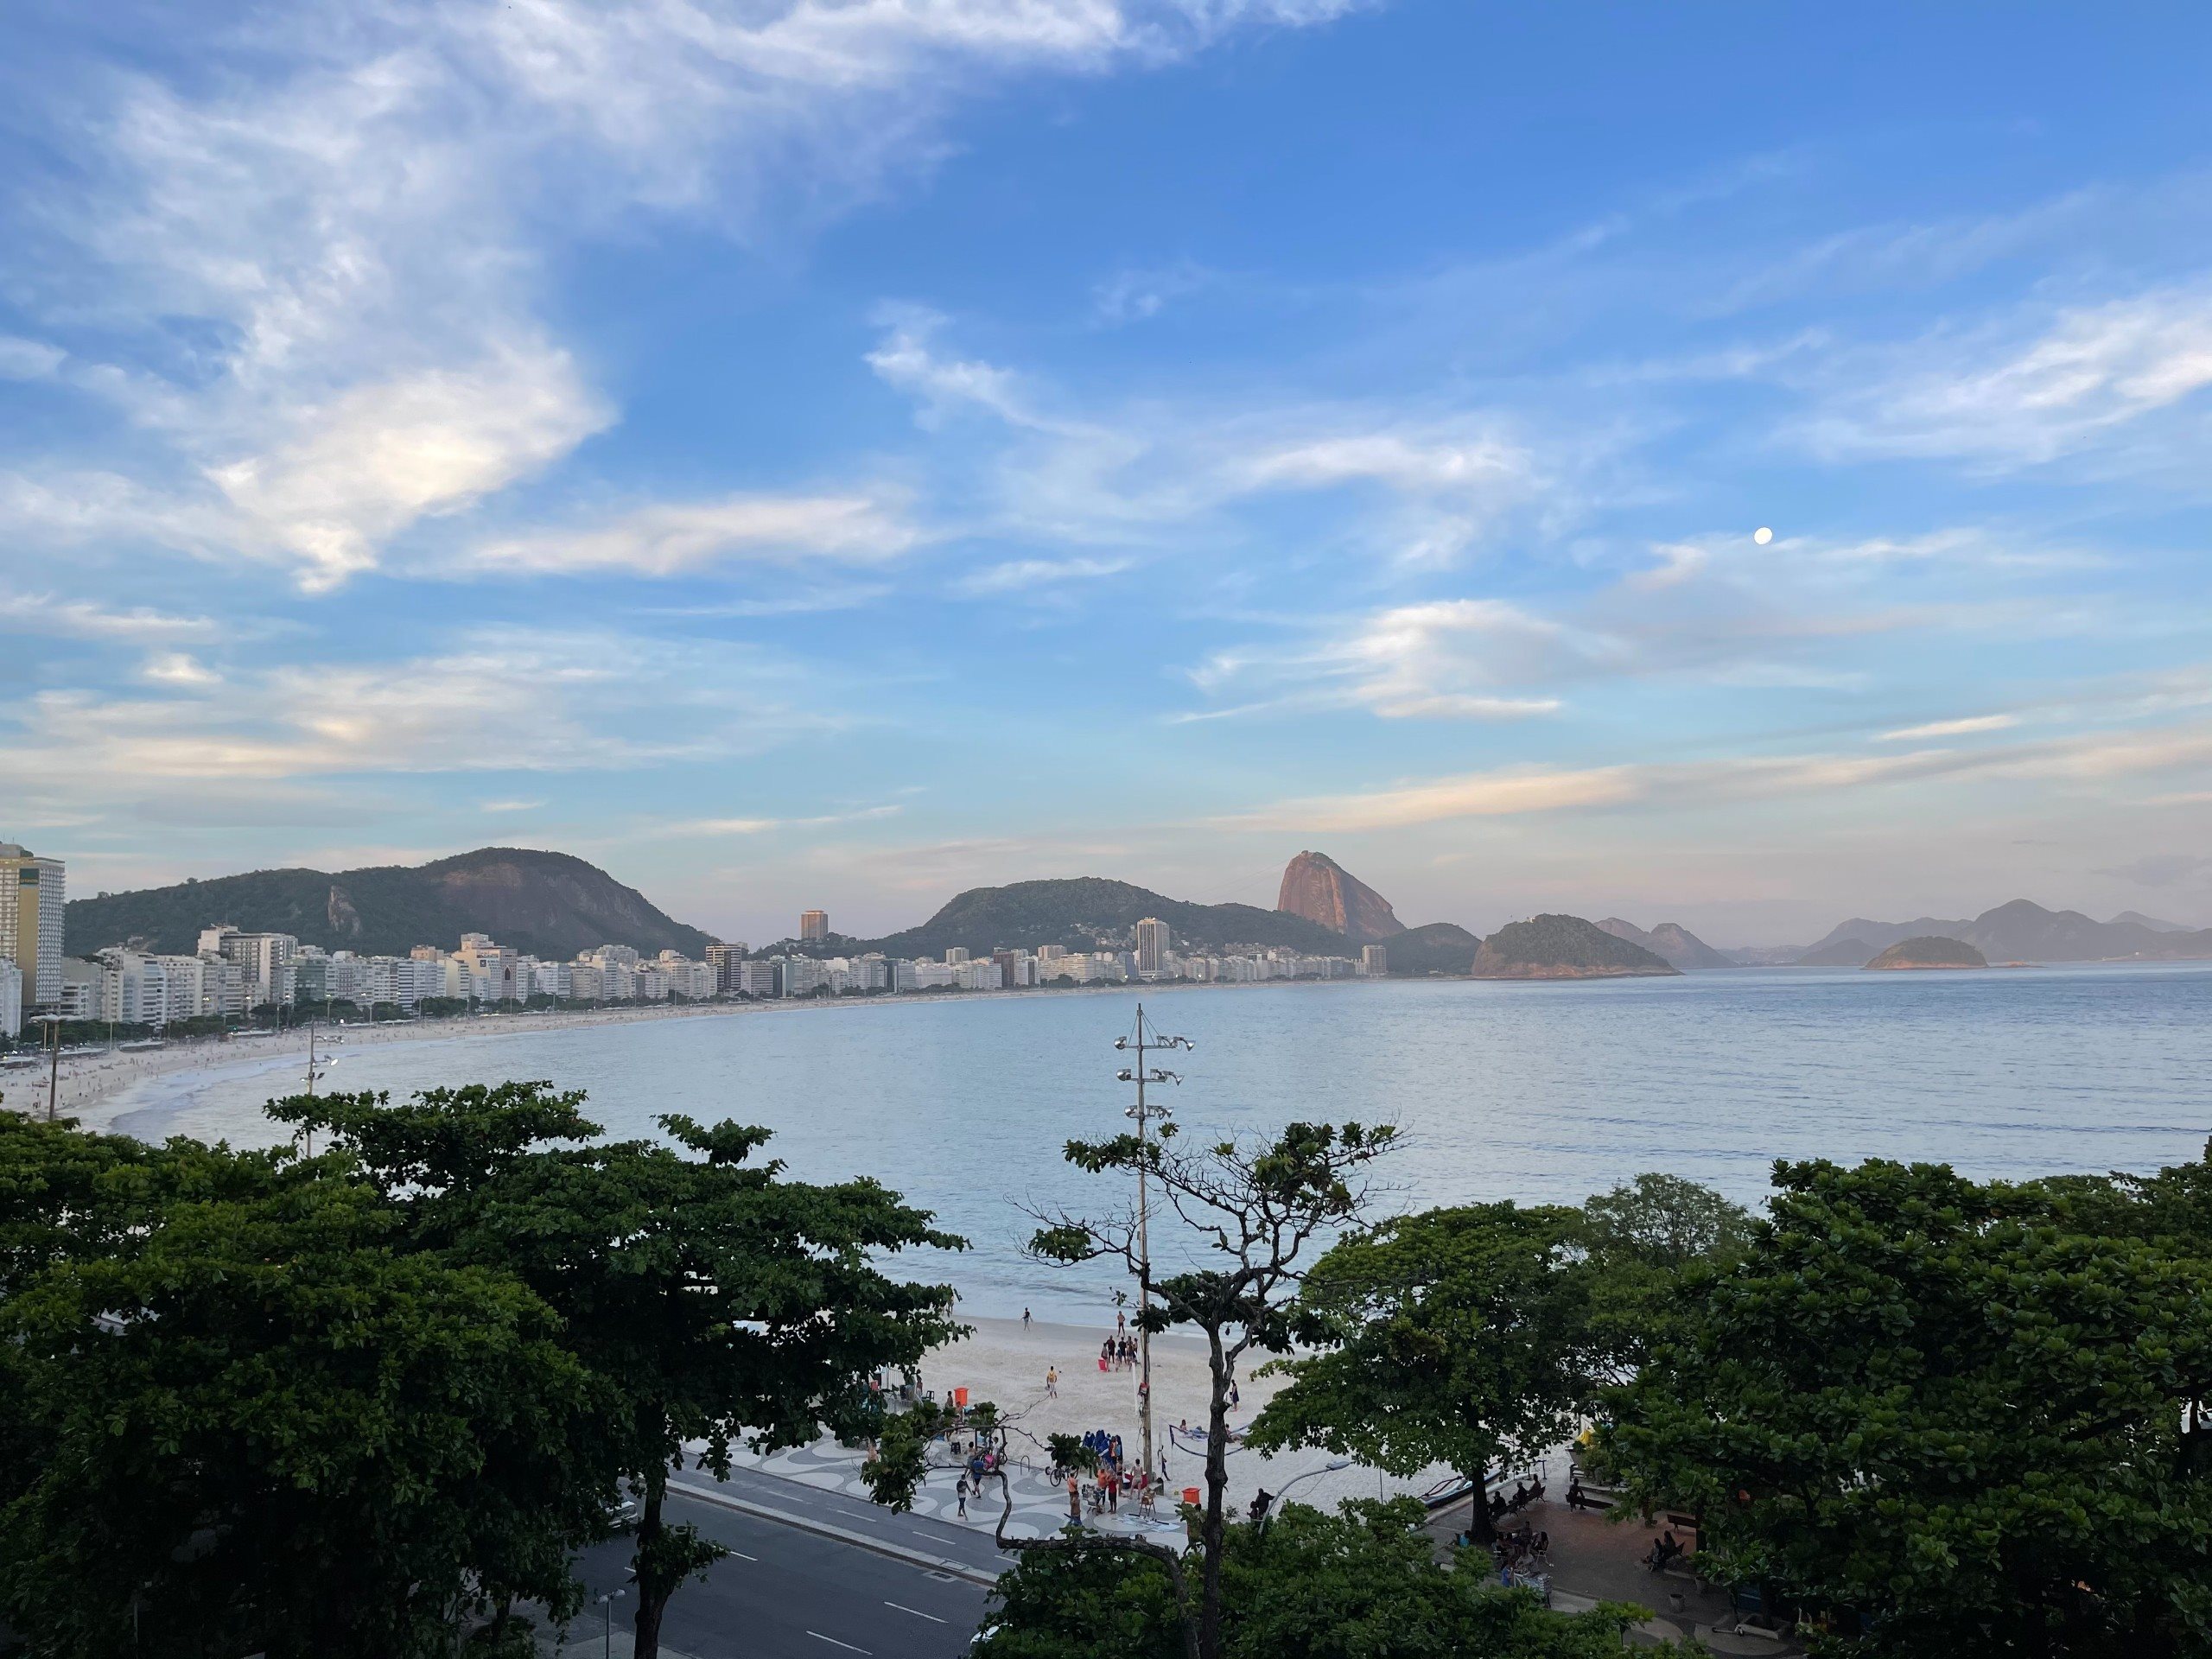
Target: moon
[{"x": 1762, "y": 535}]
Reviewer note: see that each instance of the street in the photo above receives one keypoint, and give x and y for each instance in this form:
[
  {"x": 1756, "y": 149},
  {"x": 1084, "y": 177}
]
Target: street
[{"x": 782, "y": 1591}]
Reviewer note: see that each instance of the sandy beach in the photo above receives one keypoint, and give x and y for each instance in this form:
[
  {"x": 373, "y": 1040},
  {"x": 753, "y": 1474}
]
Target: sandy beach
[
  {"x": 94, "y": 1088},
  {"x": 1005, "y": 1362}
]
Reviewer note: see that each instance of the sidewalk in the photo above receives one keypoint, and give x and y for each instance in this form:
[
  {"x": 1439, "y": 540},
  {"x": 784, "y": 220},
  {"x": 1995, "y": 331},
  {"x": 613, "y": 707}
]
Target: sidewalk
[{"x": 1594, "y": 1559}]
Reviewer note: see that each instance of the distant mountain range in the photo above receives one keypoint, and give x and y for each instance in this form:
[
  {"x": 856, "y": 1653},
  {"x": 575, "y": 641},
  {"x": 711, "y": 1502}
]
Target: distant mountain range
[
  {"x": 1027, "y": 915},
  {"x": 546, "y": 903},
  {"x": 1671, "y": 940},
  {"x": 2022, "y": 932}
]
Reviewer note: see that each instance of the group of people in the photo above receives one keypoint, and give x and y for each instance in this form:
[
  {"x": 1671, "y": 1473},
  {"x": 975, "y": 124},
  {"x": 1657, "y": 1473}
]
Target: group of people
[
  {"x": 1524, "y": 1494},
  {"x": 1665, "y": 1553},
  {"x": 1522, "y": 1554},
  {"x": 1118, "y": 1353},
  {"x": 1103, "y": 1494}
]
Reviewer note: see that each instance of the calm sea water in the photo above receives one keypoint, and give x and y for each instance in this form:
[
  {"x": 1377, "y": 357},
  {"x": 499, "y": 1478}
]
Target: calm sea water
[{"x": 1532, "y": 1091}]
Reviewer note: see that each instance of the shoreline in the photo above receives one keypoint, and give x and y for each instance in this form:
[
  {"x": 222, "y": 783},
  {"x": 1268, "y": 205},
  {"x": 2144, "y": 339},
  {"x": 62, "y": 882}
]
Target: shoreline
[{"x": 96, "y": 1089}]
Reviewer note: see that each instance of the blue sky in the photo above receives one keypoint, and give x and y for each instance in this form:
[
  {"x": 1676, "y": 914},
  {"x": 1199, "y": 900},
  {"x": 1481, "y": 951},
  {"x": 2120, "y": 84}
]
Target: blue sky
[{"x": 806, "y": 453}]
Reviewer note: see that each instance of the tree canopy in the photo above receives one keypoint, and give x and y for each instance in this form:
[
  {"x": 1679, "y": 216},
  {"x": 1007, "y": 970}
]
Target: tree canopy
[{"x": 1948, "y": 1417}]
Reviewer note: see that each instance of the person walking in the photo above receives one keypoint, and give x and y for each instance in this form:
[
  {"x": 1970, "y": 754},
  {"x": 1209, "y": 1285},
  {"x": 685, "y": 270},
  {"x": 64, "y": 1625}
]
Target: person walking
[
  {"x": 1075, "y": 1502},
  {"x": 1052, "y": 1383},
  {"x": 963, "y": 1497},
  {"x": 1025, "y": 1319}
]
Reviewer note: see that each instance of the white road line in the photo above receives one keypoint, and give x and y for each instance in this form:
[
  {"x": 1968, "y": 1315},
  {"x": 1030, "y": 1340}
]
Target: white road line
[
  {"x": 742, "y": 1556},
  {"x": 916, "y": 1612},
  {"x": 834, "y": 1643}
]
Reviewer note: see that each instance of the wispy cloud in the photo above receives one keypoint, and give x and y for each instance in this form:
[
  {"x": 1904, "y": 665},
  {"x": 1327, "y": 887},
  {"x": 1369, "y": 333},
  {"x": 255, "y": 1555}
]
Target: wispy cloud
[
  {"x": 349, "y": 204},
  {"x": 1964, "y": 728},
  {"x": 1023, "y": 575},
  {"x": 80, "y": 619},
  {"x": 2020, "y": 393},
  {"x": 677, "y": 539},
  {"x": 1519, "y": 791},
  {"x": 711, "y": 826}
]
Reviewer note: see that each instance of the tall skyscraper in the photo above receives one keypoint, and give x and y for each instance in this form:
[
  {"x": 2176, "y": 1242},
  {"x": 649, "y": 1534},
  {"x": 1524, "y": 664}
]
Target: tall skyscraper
[
  {"x": 32, "y": 893},
  {"x": 1153, "y": 941},
  {"x": 1374, "y": 961},
  {"x": 813, "y": 924}
]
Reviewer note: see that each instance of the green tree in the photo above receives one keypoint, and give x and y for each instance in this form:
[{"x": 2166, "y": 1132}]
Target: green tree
[
  {"x": 1461, "y": 1337},
  {"x": 237, "y": 1419},
  {"x": 707, "y": 1295},
  {"x": 1254, "y": 1210},
  {"x": 1362, "y": 1584},
  {"x": 1951, "y": 1418},
  {"x": 1645, "y": 1235}
]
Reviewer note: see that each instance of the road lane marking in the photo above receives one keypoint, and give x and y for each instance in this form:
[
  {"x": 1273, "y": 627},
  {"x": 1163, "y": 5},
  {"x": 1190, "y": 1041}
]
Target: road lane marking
[
  {"x": 742, "y": 1556},
  {"x": 834, "y": 1643},
  {"x": 916, "y": 1612}
]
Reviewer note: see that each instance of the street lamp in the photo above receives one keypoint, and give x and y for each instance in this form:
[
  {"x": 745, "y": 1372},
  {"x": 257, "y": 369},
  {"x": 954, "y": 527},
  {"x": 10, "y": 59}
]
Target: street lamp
[
  {"x": 1328, "y": 1468},
  {"x": 1145, "y": 1038},
  {"x": 606, "y": 1637}
]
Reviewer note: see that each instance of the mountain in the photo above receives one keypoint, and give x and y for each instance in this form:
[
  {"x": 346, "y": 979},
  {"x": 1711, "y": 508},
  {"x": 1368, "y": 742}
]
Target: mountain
[
  {"x": 1439, "y": 948},
  {"x": 1838, "y": 953},
  {"x": 2151, "y": 921},
  {"x": 1031, "y": 913},
  {"x": 1929, "y": 952},
  {"x": 1563, "y": 947},
  {"x": 2022, "y": 932},
  {"x": 545, "y": 904},
  {"x": 1316, "y": 887},
  {"x": 1671, "y": 940}
]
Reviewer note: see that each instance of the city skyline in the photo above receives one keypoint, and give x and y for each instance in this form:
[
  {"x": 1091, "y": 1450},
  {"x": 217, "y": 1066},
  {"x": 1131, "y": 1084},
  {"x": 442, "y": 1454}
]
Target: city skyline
[{"x": 779, "y": 457}]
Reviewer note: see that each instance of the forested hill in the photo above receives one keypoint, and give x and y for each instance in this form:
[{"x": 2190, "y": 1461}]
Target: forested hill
[
  {"x": 546, "y": 903},
  {"x": 1031, "y": 913}
]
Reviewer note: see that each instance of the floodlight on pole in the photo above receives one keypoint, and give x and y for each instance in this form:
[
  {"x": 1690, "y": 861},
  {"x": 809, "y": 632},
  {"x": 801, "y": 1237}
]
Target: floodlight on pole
[{"x": 1145, "y": 1039}]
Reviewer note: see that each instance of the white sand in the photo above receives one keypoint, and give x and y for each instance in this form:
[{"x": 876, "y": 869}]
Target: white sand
[{"x": 1005, "y": 1363}]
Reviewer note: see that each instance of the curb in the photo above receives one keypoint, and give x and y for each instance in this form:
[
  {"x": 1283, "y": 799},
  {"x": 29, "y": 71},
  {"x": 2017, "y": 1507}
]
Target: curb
[{"x": 975, "y": 1575}]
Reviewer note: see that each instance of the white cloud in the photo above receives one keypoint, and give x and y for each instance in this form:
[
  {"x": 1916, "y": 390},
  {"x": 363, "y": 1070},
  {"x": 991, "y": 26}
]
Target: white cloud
[
  {"x": 179, "y": 669},
  {"x": 710, "y": 826},
  {"x": 386, "y": 454},
  {"x": 1019, "y": 575},
  {"x": 1519, "y": 791},
  {"x": 320, "y": 231},
  {"x": 1951, "y": 728},
  {"x": 500, "y": 700},
  {"x": 80, "y": 619},
  {"x": 674, "y": 539},
  {"x": 29, "y": 360},
  {"x": 2018, "y": 396}
]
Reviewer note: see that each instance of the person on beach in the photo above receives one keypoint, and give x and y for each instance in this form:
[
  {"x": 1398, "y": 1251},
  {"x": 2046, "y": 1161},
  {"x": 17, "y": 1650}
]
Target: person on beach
[
  {"x": 1052, "y": 1383},
  {"x": 1025, "y": 1319}
]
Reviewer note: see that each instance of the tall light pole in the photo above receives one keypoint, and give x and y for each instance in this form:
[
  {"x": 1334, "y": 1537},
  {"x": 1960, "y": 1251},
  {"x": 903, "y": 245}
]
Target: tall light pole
[
  {"x": 1145, "y": 1038},
  {"x": 53, "y": 1024}
]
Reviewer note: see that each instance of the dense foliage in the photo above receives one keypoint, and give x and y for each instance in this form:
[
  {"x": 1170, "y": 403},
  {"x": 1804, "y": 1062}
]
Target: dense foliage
[
  {"x": 1943, "y": 1417},
  {"x": 358, "y": 1403},
  {"x": 1365, "y": 1582}
]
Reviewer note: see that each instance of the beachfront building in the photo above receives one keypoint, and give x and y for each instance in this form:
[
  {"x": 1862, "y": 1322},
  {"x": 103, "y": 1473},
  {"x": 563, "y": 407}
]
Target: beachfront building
[
  {"x": 1374, "y": 961},
  {"x": 33, "y": 895},
  {"x": 11, "y": 1000},
  {"x": 1153, "y": 943},
  {"x": 83, "y": 989}
]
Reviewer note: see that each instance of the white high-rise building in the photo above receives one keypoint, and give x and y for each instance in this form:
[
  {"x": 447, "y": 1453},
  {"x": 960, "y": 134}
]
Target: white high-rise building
[
  {"x": 11, "y": 1000},
  {"x": 1153, "y": 943},
  {"x": 33, "y": 893}
]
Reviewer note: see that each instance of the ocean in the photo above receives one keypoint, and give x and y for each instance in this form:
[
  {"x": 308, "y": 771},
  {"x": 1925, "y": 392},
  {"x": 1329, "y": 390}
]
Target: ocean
[{"x": 1539, "y": 1092}]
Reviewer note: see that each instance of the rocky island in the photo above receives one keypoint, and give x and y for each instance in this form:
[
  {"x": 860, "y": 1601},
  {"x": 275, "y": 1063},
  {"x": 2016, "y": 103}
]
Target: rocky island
[
  {"x": 1563, "y": 947},
  {"x": 1930, "y": 952}
]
